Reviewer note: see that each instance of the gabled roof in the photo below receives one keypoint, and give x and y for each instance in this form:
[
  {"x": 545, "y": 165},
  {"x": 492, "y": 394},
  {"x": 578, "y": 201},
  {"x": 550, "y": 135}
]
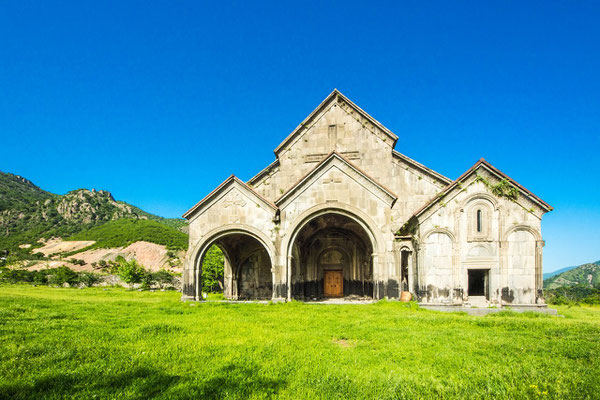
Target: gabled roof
[
  {"x": 336, "y": 96},
  {"x": 232, "y": 180},
  {"x": 423, "y": 168},
  {"x": 494, "y": 171},
  {"x": 264, "y": 171},
  {"x": 332, "y": 157}
]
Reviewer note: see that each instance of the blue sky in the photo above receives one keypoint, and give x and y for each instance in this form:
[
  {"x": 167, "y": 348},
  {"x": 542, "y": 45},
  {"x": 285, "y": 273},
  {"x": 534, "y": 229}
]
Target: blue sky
[{"x": 158, "y": 103}]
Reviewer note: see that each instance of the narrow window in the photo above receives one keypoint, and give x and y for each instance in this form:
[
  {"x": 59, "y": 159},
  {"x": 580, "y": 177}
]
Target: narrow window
[{"x": 478, "y": 220}]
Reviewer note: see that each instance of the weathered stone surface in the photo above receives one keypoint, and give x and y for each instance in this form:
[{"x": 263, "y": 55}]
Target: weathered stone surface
[{"x": 340, "y": 198}]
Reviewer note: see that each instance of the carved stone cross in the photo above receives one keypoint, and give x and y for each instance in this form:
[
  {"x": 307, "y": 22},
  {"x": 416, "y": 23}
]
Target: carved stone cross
[{"x": 234, "y": 200}]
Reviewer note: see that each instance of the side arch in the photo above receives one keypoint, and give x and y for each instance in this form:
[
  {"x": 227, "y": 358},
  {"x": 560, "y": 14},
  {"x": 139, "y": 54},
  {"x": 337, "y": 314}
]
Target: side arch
[
  {"x": 224, "y": 230},
  {"x": 199, "y": 250},
  {"x": 436, "y": 265},
  {"x": 523, "y": 264},
  {"x": 536, "y": 234},
  {"x": 440, "y": 230},
  {"x": 481, "y": 196}
]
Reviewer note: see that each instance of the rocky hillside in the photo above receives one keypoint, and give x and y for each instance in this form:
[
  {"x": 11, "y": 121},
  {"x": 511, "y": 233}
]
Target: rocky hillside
[
  {"x": 29, "y": 213},
  {"x": 584, "y": 275}
]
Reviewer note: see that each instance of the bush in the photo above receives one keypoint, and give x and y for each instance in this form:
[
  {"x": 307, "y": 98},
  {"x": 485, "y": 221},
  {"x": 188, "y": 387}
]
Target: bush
[
  {"x": 131, "y": 272},
  {"x": 62, "y": 275},
  {"x": 88, "y": 278},
  {"x": 15, "y": 275},
  {"x": 573, "y": 295},
  {"x": 163, "y": 277}
]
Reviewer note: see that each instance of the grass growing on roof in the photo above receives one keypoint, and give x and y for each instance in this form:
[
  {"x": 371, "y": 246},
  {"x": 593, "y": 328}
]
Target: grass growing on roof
[{"x": 113, "y": 343}]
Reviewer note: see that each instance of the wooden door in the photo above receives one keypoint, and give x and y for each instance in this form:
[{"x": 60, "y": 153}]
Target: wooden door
[{"x": 334, "y": 283}]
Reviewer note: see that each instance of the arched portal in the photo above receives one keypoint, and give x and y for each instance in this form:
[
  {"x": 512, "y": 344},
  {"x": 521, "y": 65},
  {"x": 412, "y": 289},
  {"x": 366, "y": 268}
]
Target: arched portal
[
  {"x": 247, "y": 269},
  {"x": 331, "y": 256}
]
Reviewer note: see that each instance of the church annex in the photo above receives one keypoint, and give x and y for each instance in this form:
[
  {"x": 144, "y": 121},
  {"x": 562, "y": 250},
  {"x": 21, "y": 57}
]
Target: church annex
[{"x": 340, "y": 213}]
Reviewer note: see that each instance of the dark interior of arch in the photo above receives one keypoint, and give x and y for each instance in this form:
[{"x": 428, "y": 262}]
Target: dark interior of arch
[
  {"x": 328, "y": 249},
  {"x": 247, "y": 267}
]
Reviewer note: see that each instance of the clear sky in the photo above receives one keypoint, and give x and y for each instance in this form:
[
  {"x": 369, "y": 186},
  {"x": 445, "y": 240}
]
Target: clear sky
[{"x": 158, "y": 102}]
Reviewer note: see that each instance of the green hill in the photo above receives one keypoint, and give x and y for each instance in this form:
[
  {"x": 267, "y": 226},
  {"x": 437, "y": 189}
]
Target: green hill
[
  {"x": 548, "y": 275},
  {"x": 577, "y": 285},
  {"x": 123, "y": 232},
  {"x": 29, "y": 213},
  {"x": 586, "y": 274}
]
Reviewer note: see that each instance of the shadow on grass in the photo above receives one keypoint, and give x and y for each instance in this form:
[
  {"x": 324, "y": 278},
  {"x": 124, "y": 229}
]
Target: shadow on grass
[
  {"x": 237, "y": 381},
  {"x": 140, "y": 383}
]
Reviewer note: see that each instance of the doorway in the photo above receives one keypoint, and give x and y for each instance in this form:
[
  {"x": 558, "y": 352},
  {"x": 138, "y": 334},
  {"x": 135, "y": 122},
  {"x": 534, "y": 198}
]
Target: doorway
[
  {"x": 478, "y": 283},
  {"x": 333, "y": 281},
  {"x": 331, "y": 242}
]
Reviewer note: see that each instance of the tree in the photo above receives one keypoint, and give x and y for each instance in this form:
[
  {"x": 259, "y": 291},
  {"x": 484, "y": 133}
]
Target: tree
[
  {"x": 212, "y": 270},
  {"x": 131, "y": 272}
]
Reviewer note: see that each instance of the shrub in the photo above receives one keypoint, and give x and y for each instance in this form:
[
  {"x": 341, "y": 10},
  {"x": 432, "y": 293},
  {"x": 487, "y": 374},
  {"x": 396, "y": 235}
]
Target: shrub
[
  {"x": 15, "y": 275},
  {"x": 62, "y": 275},
  {"x": 131, "y": 272},
  {"x": 163, "y": 277},
  {"x": 88, "y": 278}
]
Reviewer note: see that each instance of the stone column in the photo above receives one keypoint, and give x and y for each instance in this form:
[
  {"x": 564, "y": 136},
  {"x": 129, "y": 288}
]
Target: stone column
[
  {"x": 539, "y": 277},
  {"x": 289, "y": 278},
  {"x": 503, "y": 263},
  {"x": 197, "y": 282},
  {"x": 377, "y": 282}
]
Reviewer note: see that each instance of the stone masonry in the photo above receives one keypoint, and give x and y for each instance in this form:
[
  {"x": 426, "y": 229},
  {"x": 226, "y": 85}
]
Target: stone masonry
[{"x": 340, "y": 213}]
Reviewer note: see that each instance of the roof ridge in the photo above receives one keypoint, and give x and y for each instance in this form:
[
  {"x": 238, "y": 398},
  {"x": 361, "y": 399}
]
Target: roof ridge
[
  {"x": 481, "y": 161},
  {"x": 335, "y": 94},
  {"x": 231, "y": 178}
]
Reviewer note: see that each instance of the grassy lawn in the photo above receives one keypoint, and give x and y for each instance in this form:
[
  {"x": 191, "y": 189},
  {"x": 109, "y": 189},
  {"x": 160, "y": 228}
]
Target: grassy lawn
[{"x": 113, "y": 343}]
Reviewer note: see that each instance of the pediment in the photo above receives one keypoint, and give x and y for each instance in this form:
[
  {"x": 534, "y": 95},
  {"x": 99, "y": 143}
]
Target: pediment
[
  {"x": 337, "y": 99},
  {"x": 232, "y": 193},
  {"x": 336, "y": 170},
  {"x": 482, "y": 170}
]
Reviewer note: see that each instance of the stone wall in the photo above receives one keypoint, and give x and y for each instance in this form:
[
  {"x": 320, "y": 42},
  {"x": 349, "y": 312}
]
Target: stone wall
[
  {"x": 507, "y": 243},
  {"x": 340, "y": 163}
]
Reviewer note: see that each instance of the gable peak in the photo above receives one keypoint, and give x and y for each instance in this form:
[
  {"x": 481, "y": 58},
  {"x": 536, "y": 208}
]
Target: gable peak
[{"x": 339, "y": 99}]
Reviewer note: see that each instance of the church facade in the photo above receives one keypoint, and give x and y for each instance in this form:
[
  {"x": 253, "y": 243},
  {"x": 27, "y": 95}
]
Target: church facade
[{"x": 340, "y": 213}]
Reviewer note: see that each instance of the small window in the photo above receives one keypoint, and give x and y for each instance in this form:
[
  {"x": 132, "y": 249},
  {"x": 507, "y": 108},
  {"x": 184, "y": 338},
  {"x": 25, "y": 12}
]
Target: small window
[{"x": 479, "y": 221}]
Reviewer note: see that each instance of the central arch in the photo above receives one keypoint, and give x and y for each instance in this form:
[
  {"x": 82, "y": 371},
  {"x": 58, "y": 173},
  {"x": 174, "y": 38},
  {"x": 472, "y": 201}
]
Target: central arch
[{"x": 330, "y": 254}]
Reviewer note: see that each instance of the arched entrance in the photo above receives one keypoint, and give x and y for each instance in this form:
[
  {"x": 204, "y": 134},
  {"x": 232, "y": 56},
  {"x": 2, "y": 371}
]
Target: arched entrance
[
  {"x": 331, "y": 256},
  {"x": 247, "y": 266}
]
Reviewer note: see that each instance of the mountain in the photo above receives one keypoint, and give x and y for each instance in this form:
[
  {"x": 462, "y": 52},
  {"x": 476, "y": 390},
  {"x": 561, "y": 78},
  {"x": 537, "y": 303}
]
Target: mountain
[
  {"x": 29, "y": 213},
  {"x": 584, "y": 275},
  {"x": 548, "y": 275}
]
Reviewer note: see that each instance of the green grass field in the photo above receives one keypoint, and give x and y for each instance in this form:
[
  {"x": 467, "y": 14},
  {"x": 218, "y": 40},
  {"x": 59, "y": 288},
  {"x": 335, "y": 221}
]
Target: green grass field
[{"x": 113, "y": 343}]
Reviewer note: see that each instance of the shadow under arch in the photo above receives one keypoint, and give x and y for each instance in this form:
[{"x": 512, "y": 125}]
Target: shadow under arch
[
  {"x": 325, "y": 230},
  {"x": 248, "y": 260}
]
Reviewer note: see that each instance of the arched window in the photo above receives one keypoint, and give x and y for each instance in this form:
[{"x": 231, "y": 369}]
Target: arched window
[{"x": 480, "y": 214}]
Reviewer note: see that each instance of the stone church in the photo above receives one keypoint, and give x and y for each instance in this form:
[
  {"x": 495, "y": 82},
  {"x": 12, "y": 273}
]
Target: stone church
[{"x": 340, "y": 213}]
